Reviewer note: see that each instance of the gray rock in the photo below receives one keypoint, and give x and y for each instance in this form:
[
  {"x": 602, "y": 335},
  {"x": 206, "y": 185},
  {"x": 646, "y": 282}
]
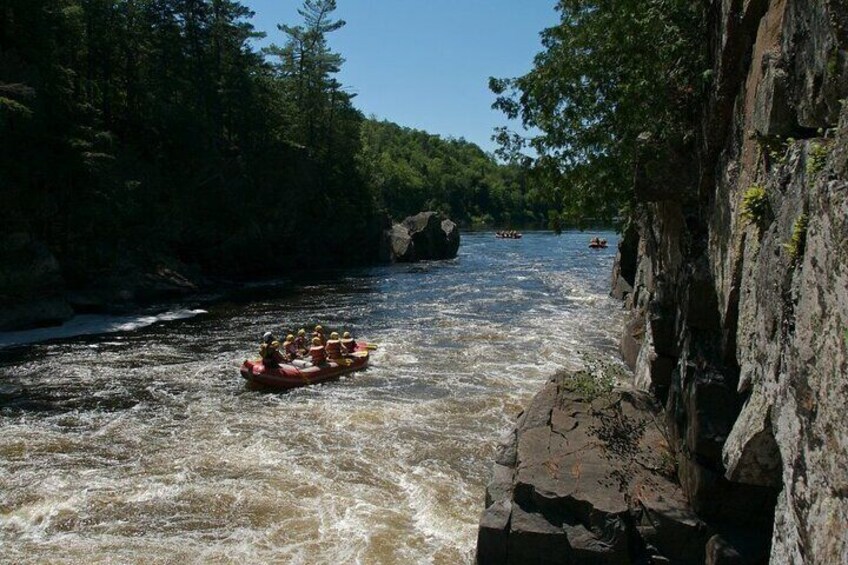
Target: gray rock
[
  {"x": 587, "y": 472},
  {"x": 493, "y": 534},
  {"x": 751, "y": 454},
  {"x": 401, "y": 245},
  {"x": 425, "y": 236}
]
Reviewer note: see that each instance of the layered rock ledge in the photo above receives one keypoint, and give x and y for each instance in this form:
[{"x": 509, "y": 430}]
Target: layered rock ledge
[{"x": 588, "y": 476}]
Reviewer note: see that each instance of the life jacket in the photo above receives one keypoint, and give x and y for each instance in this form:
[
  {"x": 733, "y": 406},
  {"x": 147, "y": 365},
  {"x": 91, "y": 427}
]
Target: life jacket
[
  {"x": 349, "y": 344},
  {"x": 270, "y": 353},
  {"x": 334, "y": 349},
  {"x": 320, "y": 336},
  {"x": 291, "y": 349},
  {"x": 317, "y": 354},
  {"x": 300, "y": 343}
]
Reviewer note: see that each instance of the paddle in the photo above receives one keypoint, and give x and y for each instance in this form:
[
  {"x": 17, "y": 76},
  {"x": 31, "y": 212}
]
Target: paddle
[{"x": 371, "y": 346}]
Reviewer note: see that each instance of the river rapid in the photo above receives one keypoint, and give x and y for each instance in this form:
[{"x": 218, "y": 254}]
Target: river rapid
[{"x": 144, "y": 445}]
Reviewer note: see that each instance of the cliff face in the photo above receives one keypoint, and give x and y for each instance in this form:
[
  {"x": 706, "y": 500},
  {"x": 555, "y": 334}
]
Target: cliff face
[
  {"x": 736, "y": 276},
  {"x": 738, "y": 281}
]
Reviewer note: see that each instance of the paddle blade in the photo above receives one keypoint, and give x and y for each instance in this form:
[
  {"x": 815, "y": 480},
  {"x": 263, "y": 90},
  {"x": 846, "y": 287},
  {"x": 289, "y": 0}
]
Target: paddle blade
[{"x": 371, "y": 347}]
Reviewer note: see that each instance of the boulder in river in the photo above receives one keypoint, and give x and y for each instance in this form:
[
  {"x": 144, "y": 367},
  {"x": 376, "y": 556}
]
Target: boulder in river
[{"x": 424, "y": 236}]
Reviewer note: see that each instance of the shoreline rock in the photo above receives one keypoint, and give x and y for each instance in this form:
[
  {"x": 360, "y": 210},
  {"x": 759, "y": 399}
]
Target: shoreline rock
[{"x": 587, "y": 477}]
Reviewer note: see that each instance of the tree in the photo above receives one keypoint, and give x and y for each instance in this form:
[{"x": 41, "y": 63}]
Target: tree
[
  {"x": 609, "y": 72},
  {"x": 309, "y": 67}
]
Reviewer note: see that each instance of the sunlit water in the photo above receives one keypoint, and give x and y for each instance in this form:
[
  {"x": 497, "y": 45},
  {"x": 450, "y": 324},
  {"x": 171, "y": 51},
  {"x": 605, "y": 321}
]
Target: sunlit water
[{"x": 144, "y": 445}]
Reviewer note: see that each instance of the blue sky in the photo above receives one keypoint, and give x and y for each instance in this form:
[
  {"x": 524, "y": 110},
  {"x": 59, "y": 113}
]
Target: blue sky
[{"x": 426, "y": 63}]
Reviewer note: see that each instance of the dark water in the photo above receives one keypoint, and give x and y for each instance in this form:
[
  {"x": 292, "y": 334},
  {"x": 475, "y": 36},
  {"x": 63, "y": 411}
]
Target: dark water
[{"x": 143, "y": 445}]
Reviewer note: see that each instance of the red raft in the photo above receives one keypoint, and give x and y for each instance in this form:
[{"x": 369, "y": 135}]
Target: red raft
[{"x": 288, "y": 376}]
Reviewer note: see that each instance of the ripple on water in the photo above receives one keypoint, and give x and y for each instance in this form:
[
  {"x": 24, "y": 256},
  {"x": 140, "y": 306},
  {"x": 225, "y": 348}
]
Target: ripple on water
[{"x": 145, "y": 446}]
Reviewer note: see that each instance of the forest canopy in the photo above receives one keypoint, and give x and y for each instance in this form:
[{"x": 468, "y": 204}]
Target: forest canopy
[
  {"x": 412, "y": 170},
  {"x": 134, "y": 129}
]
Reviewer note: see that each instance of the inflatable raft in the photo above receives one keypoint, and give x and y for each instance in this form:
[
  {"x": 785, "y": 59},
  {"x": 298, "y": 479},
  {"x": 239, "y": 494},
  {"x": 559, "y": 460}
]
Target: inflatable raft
[{"x": 301, "y": 373}]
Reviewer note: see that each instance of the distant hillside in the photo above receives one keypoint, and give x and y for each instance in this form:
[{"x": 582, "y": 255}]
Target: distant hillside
[{"x": 412, "y": 170}]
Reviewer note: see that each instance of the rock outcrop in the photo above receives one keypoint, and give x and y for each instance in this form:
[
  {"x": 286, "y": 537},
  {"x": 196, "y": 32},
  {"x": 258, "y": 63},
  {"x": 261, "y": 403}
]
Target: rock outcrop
[
  {"x": 34, "y": 293},
  {"x": 424, "y": 236},
  {"x": 585, "y": 478}
]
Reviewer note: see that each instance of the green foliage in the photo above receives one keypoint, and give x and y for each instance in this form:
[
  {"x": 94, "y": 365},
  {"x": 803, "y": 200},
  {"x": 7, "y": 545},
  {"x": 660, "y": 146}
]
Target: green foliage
[
  {"x": 816, "y": 158},
  {"x": 143, "y": 128},
  {"x": 592, "y": 384},
  {"x": 411, "y": 170},
  {"x": 774, "y": 147},
  {"x": 755, "y": 206},
  {"x": 609, "y": 72},
  {"x": 796, "y": 243},
  {"x": 832, "y": 68}
]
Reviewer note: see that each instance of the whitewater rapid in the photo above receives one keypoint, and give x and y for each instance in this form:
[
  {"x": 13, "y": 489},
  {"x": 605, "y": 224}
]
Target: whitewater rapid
[{"x": 143, "y": 445}]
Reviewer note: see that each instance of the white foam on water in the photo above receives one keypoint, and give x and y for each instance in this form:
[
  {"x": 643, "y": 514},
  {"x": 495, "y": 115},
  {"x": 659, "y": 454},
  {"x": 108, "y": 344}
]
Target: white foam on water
[
  {"x": 170, "y": 459},
  {"x": 91, "y": 324}
]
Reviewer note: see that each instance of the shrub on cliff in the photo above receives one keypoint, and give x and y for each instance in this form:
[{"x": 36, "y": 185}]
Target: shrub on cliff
[
  {"x": 796, "y": 243},
  {"x": 755, "y": 206}
]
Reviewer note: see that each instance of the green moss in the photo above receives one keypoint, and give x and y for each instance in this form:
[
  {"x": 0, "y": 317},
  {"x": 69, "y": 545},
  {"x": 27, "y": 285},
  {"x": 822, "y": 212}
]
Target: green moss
[
  {"x": 816, "y": 158},
  {"x": 795, "y": 245},
  {"x": 755, "y": 206}
]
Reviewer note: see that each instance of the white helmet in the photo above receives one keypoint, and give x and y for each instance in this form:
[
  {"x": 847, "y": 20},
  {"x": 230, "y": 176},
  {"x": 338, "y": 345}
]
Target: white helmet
[{"x": 267, "y": 337}]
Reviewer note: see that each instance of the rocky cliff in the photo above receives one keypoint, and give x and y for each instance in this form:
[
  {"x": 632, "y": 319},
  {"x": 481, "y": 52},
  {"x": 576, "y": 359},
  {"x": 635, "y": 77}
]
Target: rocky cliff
[
  {"x": 735, "y": 271},
  {"x": 738, "y": 282}
]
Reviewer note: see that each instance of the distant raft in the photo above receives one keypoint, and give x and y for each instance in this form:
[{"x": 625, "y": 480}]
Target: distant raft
[{"x": 289, "y": 375}]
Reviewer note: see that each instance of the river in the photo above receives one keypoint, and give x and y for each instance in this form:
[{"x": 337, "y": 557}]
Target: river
[{"x": 143, "y": 445}]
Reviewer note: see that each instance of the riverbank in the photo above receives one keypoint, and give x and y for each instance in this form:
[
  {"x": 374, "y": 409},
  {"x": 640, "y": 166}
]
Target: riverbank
[{"x": 35, "y": 290}]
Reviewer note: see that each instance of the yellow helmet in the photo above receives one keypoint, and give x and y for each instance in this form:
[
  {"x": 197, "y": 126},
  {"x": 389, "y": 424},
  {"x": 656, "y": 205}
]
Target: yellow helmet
[
  {"x": 319, "y": 329},
  {"x": 334, "y": 335},
  {"x": 290, "y": 337},
  {"x": 301, "y": 332},
  {"x": 316, "y": 341},
  {"x": 346, "y": 335}
]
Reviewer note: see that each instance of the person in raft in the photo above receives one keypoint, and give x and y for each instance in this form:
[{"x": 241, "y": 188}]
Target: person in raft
[
  {"x": 334, "y": 347},
  {"x": 290, "y": 348},
  {"x": 348, "y": 343},
  {"x": 317, "y": 353},
  {"x": 269, "y": 350},
  {"x": 300, "y": 342},
  {"x": 319, "y": 333}
]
